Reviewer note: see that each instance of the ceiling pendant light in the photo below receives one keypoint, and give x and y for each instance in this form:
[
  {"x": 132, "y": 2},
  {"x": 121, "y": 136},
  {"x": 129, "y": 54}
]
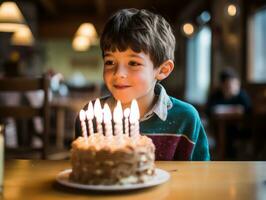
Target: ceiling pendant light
[
  {"x": 22, "y": 37},
  {"x": 11, "y": 18}
]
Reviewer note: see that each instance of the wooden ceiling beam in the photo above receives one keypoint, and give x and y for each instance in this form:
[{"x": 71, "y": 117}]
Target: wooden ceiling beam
[
  {"x": 100, "y": 7},
  {"x": 65, "y": 26},
  {"x": 49, "y": 6}
]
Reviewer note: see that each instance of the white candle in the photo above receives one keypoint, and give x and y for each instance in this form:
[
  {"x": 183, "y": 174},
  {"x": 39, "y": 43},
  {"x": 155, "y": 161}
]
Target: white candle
[
  {"x": 90, "y": 115},
  {"x": 134, "y": 119},
  {"x": 107, "y": 119},
  {"x": 98, "y": 113},
  {"x": 126, "y": 115},
  {"x": 82, "y": 117},
  {"x": 118, "y": 116}
]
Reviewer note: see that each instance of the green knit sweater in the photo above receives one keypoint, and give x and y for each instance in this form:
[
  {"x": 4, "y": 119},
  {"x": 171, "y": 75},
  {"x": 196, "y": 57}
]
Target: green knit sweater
[{"x": 181, "y": 136}]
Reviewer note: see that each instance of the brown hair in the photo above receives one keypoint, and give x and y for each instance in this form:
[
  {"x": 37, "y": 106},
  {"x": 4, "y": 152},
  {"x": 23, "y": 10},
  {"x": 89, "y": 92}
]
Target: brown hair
[{"x": 140, "y": 30}]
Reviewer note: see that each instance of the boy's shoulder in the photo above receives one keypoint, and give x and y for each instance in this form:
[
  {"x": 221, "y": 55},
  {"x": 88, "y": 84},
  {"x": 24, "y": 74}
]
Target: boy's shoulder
[
  {"x": 186, "y": 118},
  {"x": 182, "y": 109}
]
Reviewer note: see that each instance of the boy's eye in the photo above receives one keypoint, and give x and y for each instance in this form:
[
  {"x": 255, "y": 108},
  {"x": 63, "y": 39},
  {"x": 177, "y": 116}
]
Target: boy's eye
[
  {"x": 134, "y": 63},
  {"x": 109, "y": 62}
]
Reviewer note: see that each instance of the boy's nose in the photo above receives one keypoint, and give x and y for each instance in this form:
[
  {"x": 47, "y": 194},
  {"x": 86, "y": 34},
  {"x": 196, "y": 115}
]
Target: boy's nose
[{"x": 121, "y": 71}]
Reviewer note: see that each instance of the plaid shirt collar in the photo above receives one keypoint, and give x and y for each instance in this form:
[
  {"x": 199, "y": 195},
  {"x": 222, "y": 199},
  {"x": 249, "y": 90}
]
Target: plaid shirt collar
[{"x": 162, "y": 105}]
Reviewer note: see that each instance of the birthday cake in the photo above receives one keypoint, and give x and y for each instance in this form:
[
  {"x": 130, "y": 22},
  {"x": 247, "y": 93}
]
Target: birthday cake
[{"x": 112, "y": 158}]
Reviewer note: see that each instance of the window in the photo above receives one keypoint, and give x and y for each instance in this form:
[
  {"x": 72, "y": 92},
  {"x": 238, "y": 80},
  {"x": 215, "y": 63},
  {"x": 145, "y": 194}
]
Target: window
[
  {"x": 198, "y": 66},
  {"x": 257, "y": 47}
]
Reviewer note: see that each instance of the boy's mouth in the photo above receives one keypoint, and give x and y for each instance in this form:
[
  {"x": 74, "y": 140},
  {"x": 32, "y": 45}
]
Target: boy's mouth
[{"x": 120, "y": 87}]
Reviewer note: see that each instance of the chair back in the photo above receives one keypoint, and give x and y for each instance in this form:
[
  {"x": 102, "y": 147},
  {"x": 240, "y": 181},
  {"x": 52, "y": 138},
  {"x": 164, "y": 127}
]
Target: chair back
[{"x": 21, "y": 85}]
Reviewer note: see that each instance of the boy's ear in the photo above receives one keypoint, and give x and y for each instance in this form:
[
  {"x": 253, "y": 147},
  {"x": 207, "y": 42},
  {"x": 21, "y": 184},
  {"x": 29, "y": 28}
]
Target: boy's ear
[{"x": 164, "y": 70}]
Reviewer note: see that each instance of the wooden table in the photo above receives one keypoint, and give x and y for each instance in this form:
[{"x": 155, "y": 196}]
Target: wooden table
[{"x": 35, "y": 179}]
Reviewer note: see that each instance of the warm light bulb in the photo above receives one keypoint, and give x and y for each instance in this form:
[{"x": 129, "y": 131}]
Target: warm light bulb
[
  {"x": 22, "y": 37},
  {"x": 10, "y": 17},
  {"x": 188, "y": 29},
  {"x": 87, "y": 29},
  {"x": 231, "y": 10},
  {"x": 81, "y": 43},
  {"x": 9, "y": 11}
]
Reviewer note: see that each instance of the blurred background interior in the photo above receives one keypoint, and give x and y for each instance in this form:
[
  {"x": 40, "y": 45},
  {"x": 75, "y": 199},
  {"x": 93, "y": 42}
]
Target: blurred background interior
[{"x": 220, "y": 68}]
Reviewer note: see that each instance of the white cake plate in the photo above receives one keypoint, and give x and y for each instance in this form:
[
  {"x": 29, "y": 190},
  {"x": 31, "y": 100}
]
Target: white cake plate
[{"x": 160, "y": 177}]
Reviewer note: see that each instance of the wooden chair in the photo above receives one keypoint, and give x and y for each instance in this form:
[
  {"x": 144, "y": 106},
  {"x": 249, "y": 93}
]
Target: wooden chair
[{"x": 22, "y": 85}]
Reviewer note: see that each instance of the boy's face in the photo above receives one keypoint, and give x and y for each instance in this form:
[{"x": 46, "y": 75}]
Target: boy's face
[{"x": 129, "y": 75}]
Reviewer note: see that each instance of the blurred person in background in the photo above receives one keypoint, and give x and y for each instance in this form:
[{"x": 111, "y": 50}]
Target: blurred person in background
[
  {"x": 229, "y": 93},
  {"x": 229, "y": 98}
]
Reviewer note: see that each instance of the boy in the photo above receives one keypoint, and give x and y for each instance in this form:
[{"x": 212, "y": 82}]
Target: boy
[{"x": 138, "y": 51}]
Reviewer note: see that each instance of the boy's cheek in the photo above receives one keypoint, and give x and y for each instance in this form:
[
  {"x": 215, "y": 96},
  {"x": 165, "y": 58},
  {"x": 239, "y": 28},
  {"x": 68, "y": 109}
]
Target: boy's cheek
[{"x": 106, "y": 77}]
